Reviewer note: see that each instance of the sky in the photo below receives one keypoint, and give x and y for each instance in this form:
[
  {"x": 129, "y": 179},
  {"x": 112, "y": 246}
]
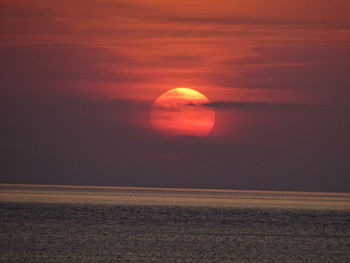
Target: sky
[{"x": 78, "y": 80}]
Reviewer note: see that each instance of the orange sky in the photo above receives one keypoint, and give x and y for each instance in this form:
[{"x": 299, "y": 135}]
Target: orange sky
[
  {"x": 229, "y": 50},
  {"x": 78, "y": 78}
]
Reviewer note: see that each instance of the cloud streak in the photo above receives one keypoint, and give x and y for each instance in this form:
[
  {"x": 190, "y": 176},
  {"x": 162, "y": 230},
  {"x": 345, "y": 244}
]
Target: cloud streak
[{"x": 265, "y": 106}]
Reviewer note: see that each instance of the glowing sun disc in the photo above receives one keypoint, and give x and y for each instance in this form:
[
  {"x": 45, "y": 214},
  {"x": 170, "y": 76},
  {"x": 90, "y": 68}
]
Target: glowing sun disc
[{"x": 181, "y": 112}]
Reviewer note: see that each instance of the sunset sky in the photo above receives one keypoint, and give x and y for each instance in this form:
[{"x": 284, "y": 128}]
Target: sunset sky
[{"x": 78, "y": 79}]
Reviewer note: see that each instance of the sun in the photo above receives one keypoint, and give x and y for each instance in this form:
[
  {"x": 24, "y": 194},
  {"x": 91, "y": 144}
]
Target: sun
[{"x": 182, "y": 112}]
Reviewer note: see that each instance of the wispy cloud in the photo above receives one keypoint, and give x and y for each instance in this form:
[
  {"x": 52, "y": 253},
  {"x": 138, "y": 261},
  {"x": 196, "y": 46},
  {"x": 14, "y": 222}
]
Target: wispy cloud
[{"x": 264, "y": 106}]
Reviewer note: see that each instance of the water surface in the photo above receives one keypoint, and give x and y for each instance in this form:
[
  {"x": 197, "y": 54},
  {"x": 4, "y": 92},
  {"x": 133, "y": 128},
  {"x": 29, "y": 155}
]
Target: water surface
[{"x": 113, "y": 224}]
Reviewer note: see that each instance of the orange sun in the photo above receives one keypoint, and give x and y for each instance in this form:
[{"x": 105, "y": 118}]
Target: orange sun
[{"x": 180, "y": 112}]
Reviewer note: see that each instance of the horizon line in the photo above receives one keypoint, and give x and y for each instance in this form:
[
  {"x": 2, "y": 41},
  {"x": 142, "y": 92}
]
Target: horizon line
[{"x": 178, "y": 189}]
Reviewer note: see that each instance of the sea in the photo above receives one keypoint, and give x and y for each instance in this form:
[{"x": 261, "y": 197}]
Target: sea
[{"x": 50, "y": 223}]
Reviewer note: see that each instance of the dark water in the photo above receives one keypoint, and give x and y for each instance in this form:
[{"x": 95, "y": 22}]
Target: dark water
[{"x": 49, "y": 232}]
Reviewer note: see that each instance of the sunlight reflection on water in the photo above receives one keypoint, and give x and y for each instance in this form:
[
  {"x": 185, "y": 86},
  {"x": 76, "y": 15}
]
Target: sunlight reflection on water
[{"x": 174, "y": 197}]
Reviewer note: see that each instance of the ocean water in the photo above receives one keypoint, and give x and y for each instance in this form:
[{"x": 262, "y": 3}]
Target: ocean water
[{"x": 116, "y": 224}]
